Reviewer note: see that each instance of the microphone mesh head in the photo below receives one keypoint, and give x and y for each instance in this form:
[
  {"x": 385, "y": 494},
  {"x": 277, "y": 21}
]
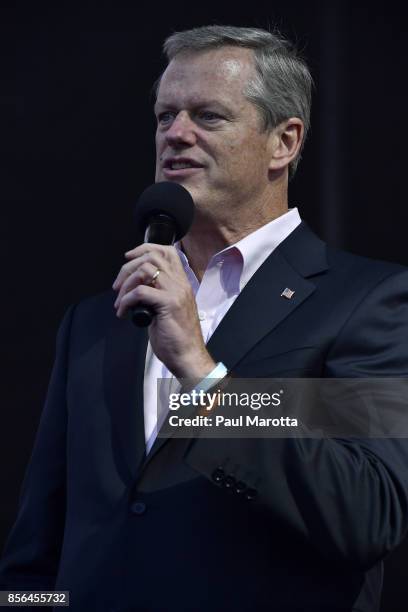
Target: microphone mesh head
[{"x": 166, "y": 198}]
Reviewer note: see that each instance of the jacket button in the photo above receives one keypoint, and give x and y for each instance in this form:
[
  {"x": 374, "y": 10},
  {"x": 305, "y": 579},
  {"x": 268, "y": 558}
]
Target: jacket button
[
  {"x": 218, "y": 475},
  {"x": 240, "y": 487},
  {"x": 138, "y": 507},
  {"x": 229, "y": 482},
  {"x": 250, "y": 494}
]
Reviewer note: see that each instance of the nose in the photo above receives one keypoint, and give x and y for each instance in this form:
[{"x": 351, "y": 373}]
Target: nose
[{"x": 181, "y": 131}]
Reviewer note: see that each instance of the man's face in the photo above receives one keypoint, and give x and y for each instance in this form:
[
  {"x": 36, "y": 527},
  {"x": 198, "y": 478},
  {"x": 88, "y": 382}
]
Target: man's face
[{"x": 209, "y": 137}]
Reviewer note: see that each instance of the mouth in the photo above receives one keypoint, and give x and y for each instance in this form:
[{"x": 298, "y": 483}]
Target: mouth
[{"x": 179, "y": 167}]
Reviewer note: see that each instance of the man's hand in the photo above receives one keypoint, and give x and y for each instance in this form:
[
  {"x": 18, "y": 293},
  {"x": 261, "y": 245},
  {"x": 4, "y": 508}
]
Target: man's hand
[{"x": 175, "y": 333}]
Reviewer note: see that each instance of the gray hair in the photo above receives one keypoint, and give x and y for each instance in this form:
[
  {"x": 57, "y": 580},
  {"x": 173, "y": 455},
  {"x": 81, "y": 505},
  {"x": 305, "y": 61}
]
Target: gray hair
[{"x": 282, "y": 85}]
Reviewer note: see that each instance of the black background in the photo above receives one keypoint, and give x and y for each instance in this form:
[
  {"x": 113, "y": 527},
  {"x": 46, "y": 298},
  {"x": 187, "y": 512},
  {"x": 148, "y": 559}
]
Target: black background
[{"x": 77, "y": 147}]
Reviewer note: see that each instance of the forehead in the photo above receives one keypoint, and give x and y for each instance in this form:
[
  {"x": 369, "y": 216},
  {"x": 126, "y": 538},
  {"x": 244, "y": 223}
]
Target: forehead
[{"x": 217, "y": 74}]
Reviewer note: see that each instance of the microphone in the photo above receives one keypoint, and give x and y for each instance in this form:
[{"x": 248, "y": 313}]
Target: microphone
[{"x": 163, "y": 214}]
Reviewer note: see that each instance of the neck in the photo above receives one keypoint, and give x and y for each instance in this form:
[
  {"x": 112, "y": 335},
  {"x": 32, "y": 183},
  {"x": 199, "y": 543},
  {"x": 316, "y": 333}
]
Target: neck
[{"x": 209, "y": 235}]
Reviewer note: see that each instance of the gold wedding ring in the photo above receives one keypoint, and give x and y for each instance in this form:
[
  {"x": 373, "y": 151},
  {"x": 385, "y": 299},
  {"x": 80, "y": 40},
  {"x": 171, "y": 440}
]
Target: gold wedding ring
[{"x": 154, "y": 278}]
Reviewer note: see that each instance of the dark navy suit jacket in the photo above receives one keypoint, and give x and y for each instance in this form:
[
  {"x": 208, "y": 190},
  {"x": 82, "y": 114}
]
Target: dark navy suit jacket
[{"x": 237, "y": 525}]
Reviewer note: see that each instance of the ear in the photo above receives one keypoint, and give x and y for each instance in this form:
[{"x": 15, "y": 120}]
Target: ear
[{"x": 285, "y": 142}]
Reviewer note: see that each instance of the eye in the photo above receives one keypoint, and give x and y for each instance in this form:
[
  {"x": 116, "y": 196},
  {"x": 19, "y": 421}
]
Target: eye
[
  {"x": 165, "y": 117},
  {"x": 209, "y": 116}
]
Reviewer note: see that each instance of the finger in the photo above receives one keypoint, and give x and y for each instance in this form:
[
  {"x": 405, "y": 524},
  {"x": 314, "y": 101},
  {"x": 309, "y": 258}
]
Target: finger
[
  {"x": 126, "y": 270},
  {"x": 143, "y": 294},
  {"x": 150, "y": 247},
  {"x": 148, "y": 252},
  {"x": 142, "y": 276},
  {"x": 130, "y": 267}
]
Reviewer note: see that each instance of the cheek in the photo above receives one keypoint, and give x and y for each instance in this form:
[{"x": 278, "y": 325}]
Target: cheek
[
  {"x": 242, "y": 154},
  {"x": 246, "y": 146},
  {"x": 254, "y": 152},
  {"x": 159, "y": 153},
  {"x": 159, "y": 140}
]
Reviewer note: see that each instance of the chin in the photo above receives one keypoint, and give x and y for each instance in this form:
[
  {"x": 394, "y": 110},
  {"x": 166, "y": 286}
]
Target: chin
[
  {"x": 195, "y": 191},
  {"x": 199, "y": 196}
]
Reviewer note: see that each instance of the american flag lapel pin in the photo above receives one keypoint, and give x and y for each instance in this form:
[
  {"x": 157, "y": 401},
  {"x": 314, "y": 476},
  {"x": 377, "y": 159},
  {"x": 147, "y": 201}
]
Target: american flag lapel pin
[{"x": 288, "y": 293}]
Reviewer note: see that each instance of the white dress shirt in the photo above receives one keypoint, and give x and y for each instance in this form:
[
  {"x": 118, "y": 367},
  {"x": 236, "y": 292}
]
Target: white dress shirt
[{"x": 226, "y": 275}]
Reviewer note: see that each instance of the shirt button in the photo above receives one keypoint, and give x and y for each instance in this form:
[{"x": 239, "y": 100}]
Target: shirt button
[
  {"x": 250, "y": 494},
  {"x": 229, "y": 482},
  {"x": 240, "y": 487},
  {"x": 218, "y": 475},
  {"x": 201, "y": 315},
  {"x": 138, "y": 507}
]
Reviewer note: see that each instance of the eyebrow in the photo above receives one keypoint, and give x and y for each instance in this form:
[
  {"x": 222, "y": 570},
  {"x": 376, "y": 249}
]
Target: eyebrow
[{"x": 195, "y": 106}]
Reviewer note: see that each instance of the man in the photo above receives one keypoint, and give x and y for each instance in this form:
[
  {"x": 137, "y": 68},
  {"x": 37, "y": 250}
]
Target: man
[{"x": 128, "y": 521}]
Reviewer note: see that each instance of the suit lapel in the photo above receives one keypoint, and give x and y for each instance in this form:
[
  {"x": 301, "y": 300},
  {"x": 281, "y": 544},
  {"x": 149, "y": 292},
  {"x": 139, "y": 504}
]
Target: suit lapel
[
  {"x": 278, "y": 287},
  {"x": 259, "y": 308},
  {"x": 123, "y": 387}
]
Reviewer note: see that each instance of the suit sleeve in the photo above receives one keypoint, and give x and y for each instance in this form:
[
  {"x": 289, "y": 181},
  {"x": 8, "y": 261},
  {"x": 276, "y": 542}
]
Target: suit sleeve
[
  {"x": 348, "y": 497},
  {"x": 31, "y": 555},
  {"x": 369, "y": 476}
]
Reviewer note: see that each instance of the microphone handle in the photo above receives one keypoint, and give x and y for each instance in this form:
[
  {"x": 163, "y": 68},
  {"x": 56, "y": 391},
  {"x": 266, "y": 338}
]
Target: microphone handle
[
  {"x": 142, "y": 316},
  {"x": 160, "y": 230}
]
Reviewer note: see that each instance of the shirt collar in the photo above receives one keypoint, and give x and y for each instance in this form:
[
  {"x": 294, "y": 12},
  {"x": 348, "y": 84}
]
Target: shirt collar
[{"x": 254, "y": 249}]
